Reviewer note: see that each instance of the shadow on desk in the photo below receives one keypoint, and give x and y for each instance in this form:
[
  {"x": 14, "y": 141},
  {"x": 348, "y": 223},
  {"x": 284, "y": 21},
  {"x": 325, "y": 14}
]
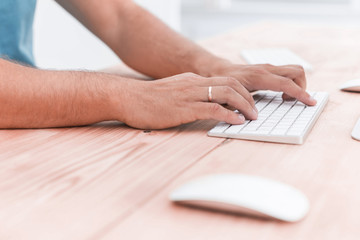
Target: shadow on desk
[{"x": 197, "y": 126}]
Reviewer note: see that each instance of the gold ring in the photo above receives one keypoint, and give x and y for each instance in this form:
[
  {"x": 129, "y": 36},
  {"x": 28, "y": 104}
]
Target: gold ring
[{"x": 210, "y": 94}]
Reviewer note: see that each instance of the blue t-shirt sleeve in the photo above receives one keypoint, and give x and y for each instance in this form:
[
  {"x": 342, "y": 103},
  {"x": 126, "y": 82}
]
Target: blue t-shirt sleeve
[{"x": 16, "y": 30}]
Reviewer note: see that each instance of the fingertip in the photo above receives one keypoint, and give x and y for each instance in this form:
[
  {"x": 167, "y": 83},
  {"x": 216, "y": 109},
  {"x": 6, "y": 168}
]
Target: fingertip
[
  {"x": 218, "y": 112},
  {"x": 254, "y": 114},
  {"x": 312, "y": 101},
  {"x": 238, "y": 119},
  {"x": 251, "y": 114},
  {"x": 241, "y": 118},
  {"x": 306, "y": 99}
]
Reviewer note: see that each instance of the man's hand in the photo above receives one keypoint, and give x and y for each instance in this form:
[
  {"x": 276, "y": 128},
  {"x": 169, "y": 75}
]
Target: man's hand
[
  {"x": 145, "y": 44},
  {"x": 289, "y": 79},
  {"x": 184, "y": 98}
]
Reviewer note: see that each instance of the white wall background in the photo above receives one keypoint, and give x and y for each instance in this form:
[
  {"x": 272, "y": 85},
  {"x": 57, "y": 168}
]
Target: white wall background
[{"x": 60, "y": 42}]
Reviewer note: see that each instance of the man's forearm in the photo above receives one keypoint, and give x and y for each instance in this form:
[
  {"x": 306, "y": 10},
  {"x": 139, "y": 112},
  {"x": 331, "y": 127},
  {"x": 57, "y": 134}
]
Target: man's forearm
[
  {"x": 141, "y": 40},
  {"x": 32, "y": 98},
  {"x": 149, "y": 46}
]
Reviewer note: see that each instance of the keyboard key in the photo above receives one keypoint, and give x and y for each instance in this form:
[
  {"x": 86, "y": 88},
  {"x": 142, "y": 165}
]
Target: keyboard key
[
  {"x": 220, "y": 128},
  {"x": 234, "y": 129}
]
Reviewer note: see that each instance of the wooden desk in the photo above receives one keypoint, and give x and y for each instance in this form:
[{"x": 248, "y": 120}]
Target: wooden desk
[{"x": 108, "y": 181}]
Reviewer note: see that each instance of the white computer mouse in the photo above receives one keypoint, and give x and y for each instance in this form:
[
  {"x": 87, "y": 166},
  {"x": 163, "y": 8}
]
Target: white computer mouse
[
  {"x": 351, "y": 86},
  {"x": 244, "y": 194},
  {"x": 356, "y": 131}
]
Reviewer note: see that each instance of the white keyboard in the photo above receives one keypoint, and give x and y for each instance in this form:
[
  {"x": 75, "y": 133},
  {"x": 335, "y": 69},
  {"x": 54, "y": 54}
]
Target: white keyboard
[
  {"x": 278, "y": 120},
  {"x": 274, "y": 56}
]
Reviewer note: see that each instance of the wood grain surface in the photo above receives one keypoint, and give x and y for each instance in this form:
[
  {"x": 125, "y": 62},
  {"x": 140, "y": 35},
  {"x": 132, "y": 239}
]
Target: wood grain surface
[{"x": 108, "y": 181}]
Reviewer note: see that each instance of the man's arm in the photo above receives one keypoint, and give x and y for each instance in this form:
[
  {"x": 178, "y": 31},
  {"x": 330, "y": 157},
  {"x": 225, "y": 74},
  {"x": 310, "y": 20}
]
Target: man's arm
[
  {"x": 33, "y": 98},
  {"x": 140, "y": 39},
  {"x": 146, "y": 44}
]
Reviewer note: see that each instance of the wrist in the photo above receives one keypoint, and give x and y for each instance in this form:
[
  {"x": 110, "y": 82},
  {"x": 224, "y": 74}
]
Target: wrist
[
  {"x": 117, "y": 91},
  {"x": 212, "y": 67},
  {"x": 123, "y": 95},
  {"x": 101, "y": 99}
]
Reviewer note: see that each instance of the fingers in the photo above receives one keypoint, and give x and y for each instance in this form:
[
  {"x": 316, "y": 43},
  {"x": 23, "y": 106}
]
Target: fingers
[
  {"x": 234, "y": 84},
  {"x": 227, "y": 90},
  {"x": 290, "y": 88},
  {"x": 227, "y": 95},
  {"x": 294, "y": 72},
  {"x": 217, "y": 112},
  {"x": 289, "y": 79}
]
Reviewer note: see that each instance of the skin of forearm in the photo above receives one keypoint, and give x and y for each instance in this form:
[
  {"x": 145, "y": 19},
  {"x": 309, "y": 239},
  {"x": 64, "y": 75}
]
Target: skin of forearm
[
  {"x": 32, "y": 98},
  {"x": 141, "y": 40},
  {"x": 151, "y": 47}
]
